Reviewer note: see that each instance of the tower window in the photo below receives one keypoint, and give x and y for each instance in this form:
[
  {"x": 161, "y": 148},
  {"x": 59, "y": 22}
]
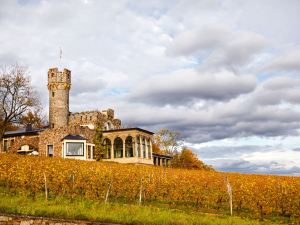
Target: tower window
[
  {"x": 53, "y": 93},
  {"x": 52, "y": 125}
]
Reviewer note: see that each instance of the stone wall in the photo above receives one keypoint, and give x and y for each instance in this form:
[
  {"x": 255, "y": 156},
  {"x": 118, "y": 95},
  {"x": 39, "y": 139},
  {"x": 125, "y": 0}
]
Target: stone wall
[
  {"x": 93, "y": 118},
  {"x": 88, "y": 118},
  {"x": 54, "y": 137},
  {"x": 6, "y": 219},
  {"x": 32, "y": 141},
  {"x": 116, "y": 123}
]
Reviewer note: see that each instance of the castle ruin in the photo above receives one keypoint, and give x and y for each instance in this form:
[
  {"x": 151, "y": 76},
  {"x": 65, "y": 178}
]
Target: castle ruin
[{"x": 71, "y": 135}]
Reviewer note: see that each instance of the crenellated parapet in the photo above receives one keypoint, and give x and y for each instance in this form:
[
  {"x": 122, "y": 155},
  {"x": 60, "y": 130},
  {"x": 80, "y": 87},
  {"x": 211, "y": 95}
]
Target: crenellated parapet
[{"x": 56, "y": 76}]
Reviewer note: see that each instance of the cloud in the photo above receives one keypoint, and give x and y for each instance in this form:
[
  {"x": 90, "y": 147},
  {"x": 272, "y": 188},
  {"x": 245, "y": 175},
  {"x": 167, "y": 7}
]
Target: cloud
[
  {"x": 86, "y": 86},
  {"x": 218, "y": 46},
  {"x": 214, "y": 152},
  {"x": 244, "y": 166},
  {"x": 251, "y": 159},
  {"x": 194, "y": 41},
  {"x": 187, "y": 86},
  {"x": 289, "y": 61},
  {"x": 268, "y": 111},
  {"x": 238, "y": 52},
  {"x": 277, "y": 90}
]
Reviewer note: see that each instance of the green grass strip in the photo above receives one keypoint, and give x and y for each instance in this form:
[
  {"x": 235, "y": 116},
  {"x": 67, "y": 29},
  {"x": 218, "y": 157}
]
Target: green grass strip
[{"x": 114, "y": 213}]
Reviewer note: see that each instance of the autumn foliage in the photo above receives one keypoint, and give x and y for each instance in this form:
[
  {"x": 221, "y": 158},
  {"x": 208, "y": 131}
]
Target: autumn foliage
[
  {"x": 256, "y": 195},
  {"x": 189, "y": 160}
]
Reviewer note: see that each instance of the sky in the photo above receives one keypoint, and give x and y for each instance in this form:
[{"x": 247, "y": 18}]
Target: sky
[{"x": 223, "y": 73}]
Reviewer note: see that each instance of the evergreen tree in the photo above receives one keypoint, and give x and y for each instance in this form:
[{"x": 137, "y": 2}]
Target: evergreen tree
[{"x": 98, "y": 141}]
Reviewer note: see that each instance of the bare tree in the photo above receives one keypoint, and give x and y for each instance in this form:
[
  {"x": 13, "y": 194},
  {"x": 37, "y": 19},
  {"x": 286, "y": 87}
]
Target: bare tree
[{"x": 16, "y": 96}]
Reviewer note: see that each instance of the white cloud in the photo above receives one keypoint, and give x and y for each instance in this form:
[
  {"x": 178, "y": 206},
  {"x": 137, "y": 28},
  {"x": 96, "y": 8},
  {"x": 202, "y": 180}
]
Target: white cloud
[
  {"x": 288, "y": 61},
  {"x": 182, "y": 87}
]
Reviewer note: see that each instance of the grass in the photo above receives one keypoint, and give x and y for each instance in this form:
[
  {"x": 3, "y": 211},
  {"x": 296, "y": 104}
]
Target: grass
[{"x": 84, "y": 209}]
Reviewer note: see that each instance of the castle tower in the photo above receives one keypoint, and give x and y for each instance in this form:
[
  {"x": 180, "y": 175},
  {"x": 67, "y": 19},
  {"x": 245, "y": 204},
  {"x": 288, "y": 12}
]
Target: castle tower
[{"x": 59, "y": 84}]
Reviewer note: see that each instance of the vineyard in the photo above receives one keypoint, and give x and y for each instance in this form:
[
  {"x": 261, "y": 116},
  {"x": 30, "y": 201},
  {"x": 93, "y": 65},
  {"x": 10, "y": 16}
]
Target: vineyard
[{"x": 255, "y": 195}]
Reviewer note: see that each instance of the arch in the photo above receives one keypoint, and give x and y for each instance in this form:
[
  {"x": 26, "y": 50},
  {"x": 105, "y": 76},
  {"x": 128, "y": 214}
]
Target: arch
[
  {"x": 129, "y": 147},
  {"x": 107, "y": 148},
  {"x": 118, "y": 148}
]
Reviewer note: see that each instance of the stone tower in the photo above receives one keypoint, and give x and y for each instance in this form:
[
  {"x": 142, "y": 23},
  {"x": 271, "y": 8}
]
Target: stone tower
[{"x": 59, "y": 84}]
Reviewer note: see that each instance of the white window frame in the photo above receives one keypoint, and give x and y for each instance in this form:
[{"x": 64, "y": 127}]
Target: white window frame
[
  {"x": 92, "y": 151},
  {"x": 64, "y": 148}
]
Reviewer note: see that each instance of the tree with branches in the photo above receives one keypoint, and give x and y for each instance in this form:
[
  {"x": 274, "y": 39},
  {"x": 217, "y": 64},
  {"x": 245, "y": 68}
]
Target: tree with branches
[
  {"x": 168, "y": 141},
  {"x": 34, "y": 117},
  {"x": 189, "y": 160},
  {"x": 17, "y": 96}
]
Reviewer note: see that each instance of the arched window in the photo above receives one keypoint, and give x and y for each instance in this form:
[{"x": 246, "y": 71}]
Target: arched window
[
  {"x": 107, "y": 148},
  {"x": 138, "y": 145},
  {"x": 144, "y": 148},
  {"x": 128, "y": 147},
  {"x": 118, "y": 148}
]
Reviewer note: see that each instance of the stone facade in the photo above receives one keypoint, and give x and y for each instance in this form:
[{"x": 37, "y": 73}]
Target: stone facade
[
  {"x": 54, "y": 137},
  {"x": 92, "y": 119},
  {"x": 31, "y": 141},
  {"x": 59, "y": 84}
]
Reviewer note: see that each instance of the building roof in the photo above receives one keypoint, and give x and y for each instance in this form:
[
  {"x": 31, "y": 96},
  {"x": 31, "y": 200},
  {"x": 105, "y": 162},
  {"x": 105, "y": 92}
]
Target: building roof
[
  {"x": 129, "y": 129},
  {"x": 22, "y": 132},
  {"x": 73, "y": 137},
  {"x": 162, "y": 155}
]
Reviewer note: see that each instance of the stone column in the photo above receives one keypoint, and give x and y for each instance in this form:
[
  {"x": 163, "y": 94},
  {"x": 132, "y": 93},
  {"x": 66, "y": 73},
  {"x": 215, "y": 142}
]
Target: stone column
[
  {"x": 135, "y": 147},
  {"x": 141, "y": 148},
  {"x": 150, "y": 144},
  {"x": 112, "y": 150},
  {"x": 146, "y": 146},
  {"x": 85, "y": 151},
  {"x": 124, "y": 146}
]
